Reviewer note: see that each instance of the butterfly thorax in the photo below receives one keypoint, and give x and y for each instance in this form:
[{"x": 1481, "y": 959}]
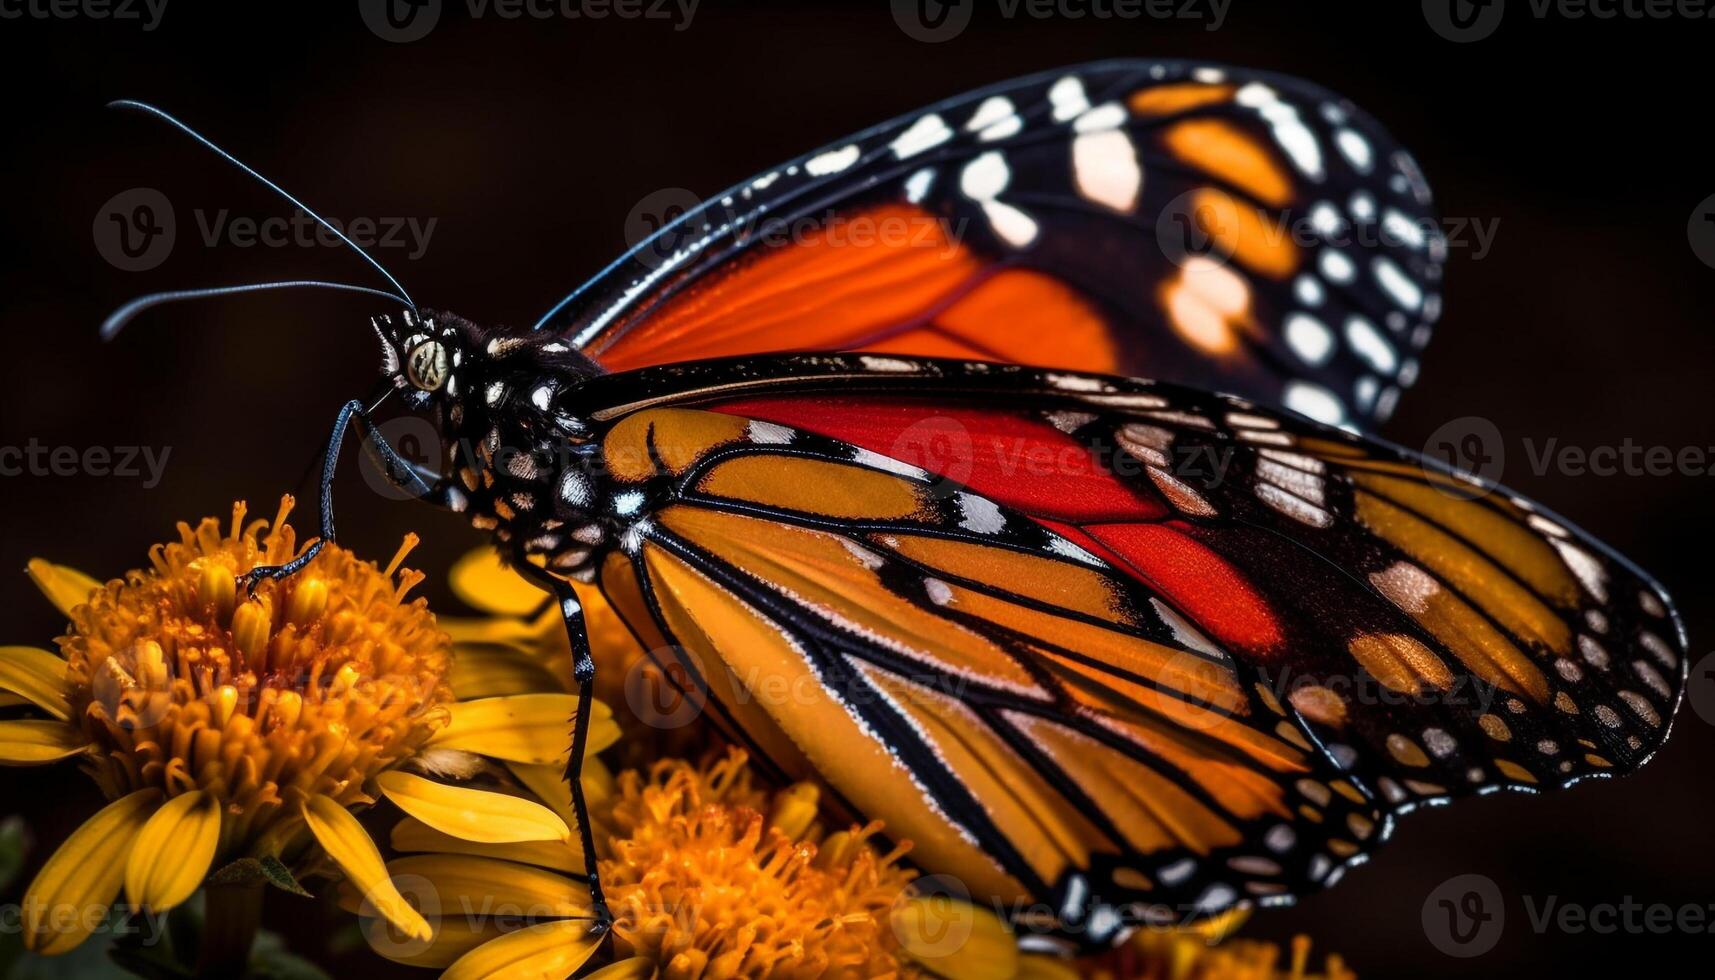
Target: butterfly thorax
[{"x": 520, "y": 464}]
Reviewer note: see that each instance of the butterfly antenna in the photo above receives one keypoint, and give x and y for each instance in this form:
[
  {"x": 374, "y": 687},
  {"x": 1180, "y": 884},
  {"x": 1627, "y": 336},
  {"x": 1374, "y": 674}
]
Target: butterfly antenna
[
  {"x": 117, "y": 320},
  {"x": 145, "y": 107}
]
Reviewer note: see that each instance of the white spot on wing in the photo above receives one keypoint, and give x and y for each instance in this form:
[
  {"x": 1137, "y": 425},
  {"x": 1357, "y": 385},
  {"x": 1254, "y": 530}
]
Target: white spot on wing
[
  {"x": 874, "y": 460},
  {"x": 1397, "y": 284},
  {"x": 980, "y": 514},
  {"x": 995, "y": 119},
  {"x": 1289, "y": 130},
  {"x": 1293, "y": 506},
  {"x": 892, "y": 365},
  {"x": 925, "y": 134},
  {"x": 1188, "y": 635},
  {"x": 1309, "y": 338},
  {"x": 1013, "y": 226},
  {"x": 1108, "y": 115},
  {"x": 917, "y": 185},
  {"x": 1355, "y": 149},
  {"x": 833, "y": 161},
  {"x": 1105, "y": 166},
  {"x": 1068, "y": 98},
  {"x": 768, "y": 434},
  {"x": 940, "y": 593},
  {"x": 1315, "y": 401},
  {"x": 1337, "y": 267},
  {"x": 985, "y": 177},
  {"x": 1585, "y": 567},
  {"x": 1368, "y": 343}
]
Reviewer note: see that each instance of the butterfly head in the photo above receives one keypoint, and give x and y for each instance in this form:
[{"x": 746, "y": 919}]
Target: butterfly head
[{"x": 421, "y": 354}]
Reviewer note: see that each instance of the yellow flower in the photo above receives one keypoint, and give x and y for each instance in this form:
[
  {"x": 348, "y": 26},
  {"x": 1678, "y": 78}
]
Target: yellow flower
[
  {"x": 1205, "y": 953},
  {"x": 225, "y": 726},
  {"x": 706, "y": 875}
]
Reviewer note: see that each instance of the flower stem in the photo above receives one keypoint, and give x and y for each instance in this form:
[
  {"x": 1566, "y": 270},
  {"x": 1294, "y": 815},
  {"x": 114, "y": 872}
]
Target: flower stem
[{"x": 233, "y": 913}]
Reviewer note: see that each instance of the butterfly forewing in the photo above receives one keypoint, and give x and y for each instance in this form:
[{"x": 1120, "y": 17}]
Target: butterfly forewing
[{"x": 1223, "y": 227}]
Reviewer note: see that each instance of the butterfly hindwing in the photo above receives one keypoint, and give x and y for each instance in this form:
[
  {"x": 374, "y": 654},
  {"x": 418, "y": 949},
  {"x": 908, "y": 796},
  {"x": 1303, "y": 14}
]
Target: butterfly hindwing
[
  {"x": 1122, "y": 647},
  {"x": 1227, "y": 228},
  {"x": 1035, "y": 725}
]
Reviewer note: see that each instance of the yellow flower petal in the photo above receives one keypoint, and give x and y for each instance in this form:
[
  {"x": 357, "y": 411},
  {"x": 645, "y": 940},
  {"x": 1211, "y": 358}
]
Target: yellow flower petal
[
  {"x": 795, "y": 808},
  {"x": 454, "y": 936},
  {"x": 84, "y": 875},
  {"x": 36, "y": 675},
  {"x": 35, "y": 741},
  {"x": 494, "y": 630},
  {"x": 173, "y": 851},
  {"x": 465, "y": 884},
  {"x": 473, "y": 814},
  {"x": 491, "y": 671},
  {"x": 955, "y": 939},
  {"x": 66, "y": 587},
  {"x": 549, "y": 785},
  {"x": 411, "y": 834},
  {"x": 10, "y": 700},
  {"x": 348, "y": 844},
  {"x": 533, "y": 728},
  {"x": 549, "y": 951},
  {"x": 635, "y": 968},
  {"x": 483, "y": 581}
]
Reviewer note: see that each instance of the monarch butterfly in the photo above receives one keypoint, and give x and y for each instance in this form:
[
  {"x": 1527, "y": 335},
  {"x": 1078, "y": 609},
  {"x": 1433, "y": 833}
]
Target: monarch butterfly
[{"x": 1108, "y": 651}]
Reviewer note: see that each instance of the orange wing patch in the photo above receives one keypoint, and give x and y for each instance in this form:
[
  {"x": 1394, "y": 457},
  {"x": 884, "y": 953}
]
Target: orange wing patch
[
  {"x": 677, "y": 437},
  {"x": 1006, "y": 318},
  {"x": 1164, "y": 100},
  {"x": 1228, "y": 152},
  {"x": 814, "y": 487},
  {"x": 1052, "y": 834},
  {"x": 825, "y": 572},
  {"x": 829, "y": 286},
  {"x": 768, "y": 680},
  {"x": 891, "y": 279}
]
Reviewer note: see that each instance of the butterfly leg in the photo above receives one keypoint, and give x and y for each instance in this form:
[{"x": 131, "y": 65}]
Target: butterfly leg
[
  {"x": 401, "y": 472},
  {"x": 583, "y": 672}
]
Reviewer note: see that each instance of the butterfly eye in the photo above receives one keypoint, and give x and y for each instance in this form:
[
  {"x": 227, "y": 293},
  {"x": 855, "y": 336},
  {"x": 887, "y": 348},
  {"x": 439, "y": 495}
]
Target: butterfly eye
[{"x": 426, "y": 365}]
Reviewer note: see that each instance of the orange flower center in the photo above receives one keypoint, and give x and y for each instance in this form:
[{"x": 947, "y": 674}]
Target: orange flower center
[{"x": 314, "y": 684}]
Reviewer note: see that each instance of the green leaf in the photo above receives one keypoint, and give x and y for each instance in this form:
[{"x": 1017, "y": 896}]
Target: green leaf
[
  {"x": 14, "y": 849},
  {"x": 271, "y": 960},
  {"x": 281, "y": 877},
  {"x": 254, "y": 871}
]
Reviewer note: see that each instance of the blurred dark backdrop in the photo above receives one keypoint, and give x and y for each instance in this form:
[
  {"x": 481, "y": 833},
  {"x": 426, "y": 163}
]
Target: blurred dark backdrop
[{"x": 528, "y": 142}]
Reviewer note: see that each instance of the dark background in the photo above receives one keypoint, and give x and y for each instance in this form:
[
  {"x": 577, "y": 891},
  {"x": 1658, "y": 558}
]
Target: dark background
[{"x": 529, "y": 141}]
